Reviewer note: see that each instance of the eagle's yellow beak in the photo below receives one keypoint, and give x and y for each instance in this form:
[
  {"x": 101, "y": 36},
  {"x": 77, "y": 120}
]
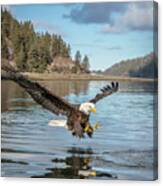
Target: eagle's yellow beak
[{"x": 93, "y": 110}]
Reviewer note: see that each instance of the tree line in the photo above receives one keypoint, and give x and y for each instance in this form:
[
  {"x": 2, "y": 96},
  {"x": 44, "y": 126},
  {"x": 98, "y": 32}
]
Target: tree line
[
  {"x": 144, "y": 67},
  {"x": 33, "y": 51}
]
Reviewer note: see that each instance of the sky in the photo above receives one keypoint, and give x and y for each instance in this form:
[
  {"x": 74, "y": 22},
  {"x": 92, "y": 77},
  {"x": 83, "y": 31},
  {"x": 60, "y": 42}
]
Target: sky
[{"x": 106, "y": 32}]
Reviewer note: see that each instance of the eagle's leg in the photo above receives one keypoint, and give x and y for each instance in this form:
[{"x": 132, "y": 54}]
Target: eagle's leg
[
  {"x": 88, "y": 126},
  {"x": 88, "y": 129}
]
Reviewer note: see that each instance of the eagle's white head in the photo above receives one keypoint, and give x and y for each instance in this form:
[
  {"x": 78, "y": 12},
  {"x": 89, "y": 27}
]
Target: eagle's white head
[{"x": 87, "y": 108}]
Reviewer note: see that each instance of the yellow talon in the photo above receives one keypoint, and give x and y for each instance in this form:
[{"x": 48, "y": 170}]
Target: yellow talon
[
  {"x": 86, "y": 128},
  {"x": 96, "y": 126}
]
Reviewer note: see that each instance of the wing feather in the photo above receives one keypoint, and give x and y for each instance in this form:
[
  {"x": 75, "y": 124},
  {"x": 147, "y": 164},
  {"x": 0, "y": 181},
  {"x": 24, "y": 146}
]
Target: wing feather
[
  {"x": 40, "y": 94},
  {"x": 106, "y": 91}
]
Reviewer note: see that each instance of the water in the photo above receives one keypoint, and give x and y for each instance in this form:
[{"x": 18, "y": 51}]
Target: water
[{"x": 123, "y": 148}]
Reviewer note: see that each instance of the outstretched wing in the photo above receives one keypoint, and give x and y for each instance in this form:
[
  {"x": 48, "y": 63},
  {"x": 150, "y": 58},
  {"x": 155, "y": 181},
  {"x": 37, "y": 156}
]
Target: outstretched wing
[
  {"x": 40, "y": 94},
  {"x": 106, "y": 91}
]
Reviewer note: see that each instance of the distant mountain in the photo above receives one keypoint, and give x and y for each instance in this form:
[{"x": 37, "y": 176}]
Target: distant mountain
[{"x": 145, "y": 67}]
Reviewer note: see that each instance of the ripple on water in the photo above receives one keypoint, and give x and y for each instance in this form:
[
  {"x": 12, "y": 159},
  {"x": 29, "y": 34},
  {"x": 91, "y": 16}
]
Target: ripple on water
[{"x": 122, "y": 148}]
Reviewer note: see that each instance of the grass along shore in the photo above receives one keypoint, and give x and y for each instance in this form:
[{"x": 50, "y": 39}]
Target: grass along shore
[{"x": 89, "y": 77}]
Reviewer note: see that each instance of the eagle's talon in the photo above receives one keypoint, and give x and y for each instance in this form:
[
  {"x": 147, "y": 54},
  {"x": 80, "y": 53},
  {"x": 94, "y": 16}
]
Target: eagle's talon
[
  {"x": 86, "y": 129},
  {"x": 96, "y": 126}
]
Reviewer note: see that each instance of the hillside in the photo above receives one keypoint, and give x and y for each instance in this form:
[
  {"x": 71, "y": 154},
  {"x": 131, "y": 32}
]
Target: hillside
[
  {"x": 145, "y": 67},
  {"x": 66, "y": 66},
  {"x": 29, "y": 51}
]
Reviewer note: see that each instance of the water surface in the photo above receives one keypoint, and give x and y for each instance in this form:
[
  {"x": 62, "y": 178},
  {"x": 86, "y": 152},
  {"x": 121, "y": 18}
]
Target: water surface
[{"x": 123, "y": 148}]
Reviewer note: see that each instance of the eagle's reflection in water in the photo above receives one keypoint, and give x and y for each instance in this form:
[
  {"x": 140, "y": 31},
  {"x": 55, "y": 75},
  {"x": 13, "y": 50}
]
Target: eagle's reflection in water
[{"x": 78, "y": 165}]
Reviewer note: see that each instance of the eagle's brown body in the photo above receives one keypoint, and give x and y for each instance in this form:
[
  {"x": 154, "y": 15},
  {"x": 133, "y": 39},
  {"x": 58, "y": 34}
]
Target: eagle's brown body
[
  {"x": 77, "y": 121},
  {"x": 81, "y": 118}
]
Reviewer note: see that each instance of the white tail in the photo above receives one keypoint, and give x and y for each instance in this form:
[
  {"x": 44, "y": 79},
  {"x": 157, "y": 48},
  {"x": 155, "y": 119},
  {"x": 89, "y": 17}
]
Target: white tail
[{"x": 58, "y": 123}]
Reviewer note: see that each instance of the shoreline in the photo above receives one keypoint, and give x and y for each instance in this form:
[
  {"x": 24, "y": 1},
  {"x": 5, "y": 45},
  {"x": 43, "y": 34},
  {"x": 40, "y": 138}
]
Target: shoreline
[{"x": 83, "y": 77}]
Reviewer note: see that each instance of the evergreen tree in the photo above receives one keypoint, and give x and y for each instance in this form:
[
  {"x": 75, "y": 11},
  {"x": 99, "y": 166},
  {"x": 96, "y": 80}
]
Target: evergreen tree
[
  {"x": 4, "y": 49},
  {"x": 55, "y": 48},
  {"x": 16, "y": 40},
  {"x": 85, "y": 63},
  {"x": 33, "y": 58},
  {"x": 78, "y": 57},
  {"x": 21, "y": 59},
  {"x": 38, "y": 57},
  {"x": 44, "y": 58},
  {"x": 27, "y": 35},
  {"x": 64, "y": 51},
  {"x": 6, "y": 22},
  {"x": 77, "y": 67},
  {"x": 69, "y": 50}
]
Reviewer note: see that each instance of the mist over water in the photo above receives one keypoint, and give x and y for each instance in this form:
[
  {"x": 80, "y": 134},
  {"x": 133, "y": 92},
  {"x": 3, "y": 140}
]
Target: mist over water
[{"x": 122, "y": 148}]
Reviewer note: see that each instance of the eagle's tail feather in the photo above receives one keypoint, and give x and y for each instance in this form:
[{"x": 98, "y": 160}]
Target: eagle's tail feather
[{"x": 58, "y": 123}]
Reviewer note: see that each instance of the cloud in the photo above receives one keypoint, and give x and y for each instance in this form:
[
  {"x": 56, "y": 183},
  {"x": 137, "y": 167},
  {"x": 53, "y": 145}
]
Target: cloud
[
  {"x": 115, "y": 17},
  {"x": 97, "y": 13},
  {"x": 136, "y": 17}
]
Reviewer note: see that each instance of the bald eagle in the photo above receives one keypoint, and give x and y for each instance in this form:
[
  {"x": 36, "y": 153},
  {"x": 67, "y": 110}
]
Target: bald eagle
[{"x": 77, "y": 115}]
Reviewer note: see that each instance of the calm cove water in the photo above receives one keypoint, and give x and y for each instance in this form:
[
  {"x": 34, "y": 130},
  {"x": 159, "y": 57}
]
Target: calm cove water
[{"x": 123, "y": 148}]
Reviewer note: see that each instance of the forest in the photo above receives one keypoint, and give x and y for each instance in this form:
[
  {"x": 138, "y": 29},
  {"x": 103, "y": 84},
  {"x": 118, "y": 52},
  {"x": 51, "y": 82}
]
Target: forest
[
  {"x": 143, "y": 67},
  {"x": 30, "y": 51}
]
